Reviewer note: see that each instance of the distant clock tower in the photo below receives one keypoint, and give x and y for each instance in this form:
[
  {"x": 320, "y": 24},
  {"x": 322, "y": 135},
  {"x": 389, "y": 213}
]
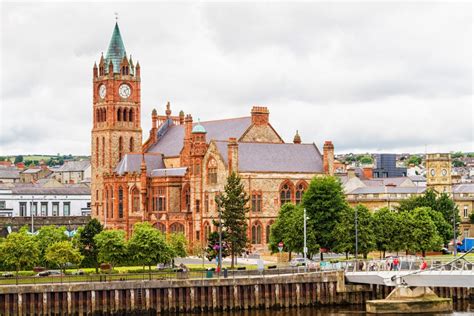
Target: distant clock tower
[
  {"x": 116, "y": 114},
  {"x": 438, "y": 172}
]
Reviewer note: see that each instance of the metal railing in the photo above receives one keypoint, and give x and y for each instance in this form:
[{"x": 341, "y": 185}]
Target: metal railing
[{"x": 161, "y": 275}]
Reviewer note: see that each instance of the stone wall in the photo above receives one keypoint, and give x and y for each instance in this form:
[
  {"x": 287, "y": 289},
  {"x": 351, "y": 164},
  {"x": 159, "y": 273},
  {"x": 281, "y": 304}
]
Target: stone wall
[{"x": 71, "y": 222}]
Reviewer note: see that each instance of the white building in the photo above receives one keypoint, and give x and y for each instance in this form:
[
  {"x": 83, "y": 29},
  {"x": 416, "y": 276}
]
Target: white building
[{"x": 22, "y": 199}]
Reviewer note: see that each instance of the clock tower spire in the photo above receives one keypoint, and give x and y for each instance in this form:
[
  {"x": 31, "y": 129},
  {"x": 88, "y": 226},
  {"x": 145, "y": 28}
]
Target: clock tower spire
[{"x": 116, "y": 116}]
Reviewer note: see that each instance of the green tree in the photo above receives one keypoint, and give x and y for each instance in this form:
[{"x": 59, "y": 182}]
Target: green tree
[
  {"x": 458, "y": 163},
  {"x": 111, "y": 246},
  {"x": 62, "y": 253},
  {"x": 232, "y": 204},
  {"x": 457, "y": 155},
  {"x": 423, "y": 232},
  {"x": 48, "y": 235},
  {"x": 444, "y": 228},
  {"x": 18, "y": 159},
  {"x": 87, "y": 244},
  {"x": 19, "y": 250},
  {"x": 212, "y": 250},
  {"x": 179, "y": 244},
  {"x": 344, "y": 231},
  {"x": 280, "y": 230},
  {"x": 365, "y": 159},
  {"x": 295, "y": 234},
  {"x": 414, "y": 160},
  {"x": 148, "y": 246},
  {"x": 324, "y": 201},
  {"x": 385, "y": 229}
]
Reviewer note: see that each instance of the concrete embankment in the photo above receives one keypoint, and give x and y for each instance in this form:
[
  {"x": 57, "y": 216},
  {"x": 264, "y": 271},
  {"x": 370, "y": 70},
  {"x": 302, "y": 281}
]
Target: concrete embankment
[{"x": 192, "y": 295}]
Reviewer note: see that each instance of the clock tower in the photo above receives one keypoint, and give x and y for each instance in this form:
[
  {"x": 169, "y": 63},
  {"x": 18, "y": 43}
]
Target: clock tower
[
  {"x": 116, "y": 115},
  {"x": 438, "y": 172}
]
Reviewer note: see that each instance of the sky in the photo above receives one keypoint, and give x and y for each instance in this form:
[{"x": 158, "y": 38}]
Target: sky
[{"x": 370, "y": 77}]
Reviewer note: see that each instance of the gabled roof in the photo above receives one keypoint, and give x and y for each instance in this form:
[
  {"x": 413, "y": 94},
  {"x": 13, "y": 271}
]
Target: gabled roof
[
  {"x": 271, "y": 157},
  {"x": 65, "y": 190},
  {"x": 170, "y": 142},
  {"x": 388, "y": 189},
  {"x": 463, "y": 188},
  {"x": 397, "y": 181},
  {"x": 71, "y": 166},
  {"x": 116, "y": 50},
  {"x": 132, "y": 163},
  {"x": 9, "y": 173}
]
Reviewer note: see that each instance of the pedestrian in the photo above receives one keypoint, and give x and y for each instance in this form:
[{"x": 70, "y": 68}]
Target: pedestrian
[
  {"x": 396, "y": 262},
  {"x": 423, "y": 265}
]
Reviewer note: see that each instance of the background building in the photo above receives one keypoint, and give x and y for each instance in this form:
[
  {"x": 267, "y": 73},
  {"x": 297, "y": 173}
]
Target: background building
[{"x": 386, "y": 166}]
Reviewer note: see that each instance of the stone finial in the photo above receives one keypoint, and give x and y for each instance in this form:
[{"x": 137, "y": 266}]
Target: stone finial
[
  {"x": 297, "y": 138},
  {"x": 168, "y": 109}
]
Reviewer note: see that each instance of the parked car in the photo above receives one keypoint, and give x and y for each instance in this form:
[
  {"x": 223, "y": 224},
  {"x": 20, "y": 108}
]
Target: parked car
[
  {"x": 50, "y": 273},
  {"x": 297, "y": 262}
]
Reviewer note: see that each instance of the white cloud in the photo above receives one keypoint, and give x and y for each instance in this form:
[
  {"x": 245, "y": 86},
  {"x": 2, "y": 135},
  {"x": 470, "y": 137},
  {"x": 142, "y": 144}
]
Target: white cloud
[{"x": 370, "y": 77}]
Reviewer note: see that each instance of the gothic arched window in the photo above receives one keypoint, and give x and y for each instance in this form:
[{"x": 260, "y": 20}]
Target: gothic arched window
[
  {"x": 119, "y": 115},
  {"x": 103, "y": 151},
  {"x": 177, "y": 228},
  {"x": 207, "y": 230},
  {"x": 257, "y": 234},
  {"x": 131, "y": 145},
  {"x": 135, "y": 200},
  {"x": 97, "y": 151},
  {"x": 187, "y": 198},
  {"x": 125, "y": 115},
  {"x": 161, "y": 227},
  {"x": 130, "y": 115},
  {"x": 285, "y": 193},
  {"x": 300, "y": 188},
  {"x": 120, "y": 148},
  {"x": 268, "y": 231},
  {"x": 212, "y": 171},
  {"x": 120, "y": 202}
]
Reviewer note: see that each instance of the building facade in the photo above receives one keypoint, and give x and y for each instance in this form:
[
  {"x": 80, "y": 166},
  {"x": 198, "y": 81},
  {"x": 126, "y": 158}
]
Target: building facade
[
  {"x": 73, "y": 172},
  {"x": 172, "y": 179},
  {"x": 386, "y": 167}
]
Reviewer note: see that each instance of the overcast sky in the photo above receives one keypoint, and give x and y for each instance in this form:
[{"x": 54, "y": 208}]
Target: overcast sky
[{"x": 390, "y": 77}]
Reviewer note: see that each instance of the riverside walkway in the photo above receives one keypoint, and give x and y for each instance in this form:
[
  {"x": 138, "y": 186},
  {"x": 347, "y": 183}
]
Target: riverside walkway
[{"x": 458, "y": 272}]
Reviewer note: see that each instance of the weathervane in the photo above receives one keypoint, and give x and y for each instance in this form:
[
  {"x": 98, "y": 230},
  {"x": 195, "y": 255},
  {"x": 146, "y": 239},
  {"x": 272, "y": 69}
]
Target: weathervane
[{"x": 116, "y": 16}]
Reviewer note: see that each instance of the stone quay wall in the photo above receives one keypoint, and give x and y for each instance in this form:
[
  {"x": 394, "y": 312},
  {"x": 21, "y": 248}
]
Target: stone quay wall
[{"x": 164, "y": 296}]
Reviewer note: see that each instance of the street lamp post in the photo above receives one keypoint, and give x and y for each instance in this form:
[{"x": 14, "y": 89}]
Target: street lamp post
[
  {"x": 305, "y": 248},
  {"x": 455, "y": 244},
  {"x": 356, "y": 234},
  {"x": 220, "y": 239}
]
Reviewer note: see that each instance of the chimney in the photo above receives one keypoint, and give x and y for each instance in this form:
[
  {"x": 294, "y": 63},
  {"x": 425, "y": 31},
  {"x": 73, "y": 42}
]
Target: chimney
[
  {"x": 233, "y": 155},
  {"x": 154, "y": 118},
  {"x": 351, "y": 172},
  {"x": 260, "y": 115},
  {"x": 328, "y": 157},
  {"x": 367, "y": 171},
  {"x": 188, "y": 128},
  {"x": 297, "y": 138}
]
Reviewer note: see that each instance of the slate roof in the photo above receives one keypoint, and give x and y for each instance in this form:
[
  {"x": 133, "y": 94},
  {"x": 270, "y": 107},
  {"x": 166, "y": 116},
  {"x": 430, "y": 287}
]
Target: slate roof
[
  {"x": 383, "y": 189},
  {"x": 169, "y": 172},
  {"x": 132, "y": 163},
  {"x": 32, "y": 170},
  {"x": 72, "y": 166},
  {"x": 171, "y": 143},
  {"x": 463, "y": 188},
  {"x": 268, "y": 157},
  {"x": 9, "y": 173},
  {"x": 66, "y": 190},
  {"x": 385, "y": 181}
]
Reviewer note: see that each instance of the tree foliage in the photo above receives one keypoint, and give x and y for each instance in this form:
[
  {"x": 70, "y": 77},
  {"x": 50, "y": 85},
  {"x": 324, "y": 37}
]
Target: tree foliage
[
  {"x": 179, "y": 244},
  {"x": 19, "y": 250},
  {"x": 148, "y": 245},
  {"x": 324, "y": 201},
  {"x": 112, "y": 247},
  {"x": 423, "y": 233},
  {"x": 345, "y": 234},
  {"x": 212, "y": 250},
  {"x": 87, "y": 245},
  {"x": 62, "y": 253},
  {"x": 232, "y": 204},
  {"x": 385, "y": 226},
  {"x": 48, "y": 235}
]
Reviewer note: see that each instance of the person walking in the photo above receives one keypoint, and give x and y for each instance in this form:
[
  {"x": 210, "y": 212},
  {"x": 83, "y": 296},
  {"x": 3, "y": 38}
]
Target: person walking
[
  {"x": 423, "y": 265},
  {"x": 396, "y": 262}
]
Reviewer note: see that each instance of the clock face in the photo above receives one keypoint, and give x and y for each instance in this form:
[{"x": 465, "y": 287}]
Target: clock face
[
  {"x": 125, "y": 91},
  {"x": 444, "y": 172},
  {"x": 432, "y": 172},
  {"x": 102, "y": 91}
]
